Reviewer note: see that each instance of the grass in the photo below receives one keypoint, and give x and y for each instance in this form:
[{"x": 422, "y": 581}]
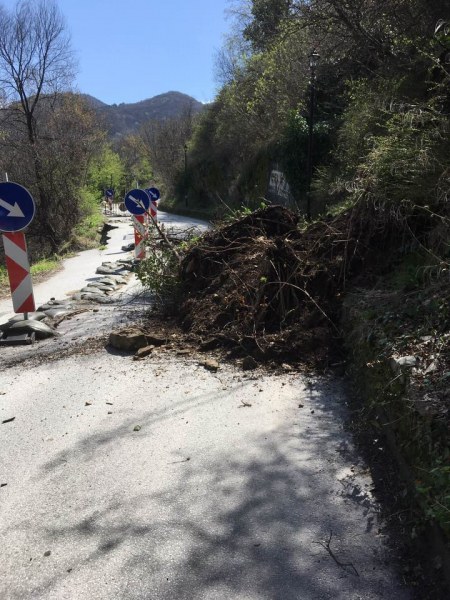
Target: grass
[
  {"x": 85, "y": 234},
  {"x": 45, "y": 265},
  {"x": 3, "y": 276},
  {"x": 41, "y": 267}
]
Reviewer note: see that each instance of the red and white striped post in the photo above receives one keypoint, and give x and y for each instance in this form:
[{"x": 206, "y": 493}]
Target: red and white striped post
[
  {"x": 140, "y": 235},
  {"x": 17, "y": 210},
  {"x": 19, "y": 272},
  {"x": 153, "y": 210}
]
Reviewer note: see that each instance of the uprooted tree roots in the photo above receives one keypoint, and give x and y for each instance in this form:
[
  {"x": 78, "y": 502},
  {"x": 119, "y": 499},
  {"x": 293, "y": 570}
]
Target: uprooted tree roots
[
  {"x": 263, "y": 287},
  {"x": 260, "y": 287}
]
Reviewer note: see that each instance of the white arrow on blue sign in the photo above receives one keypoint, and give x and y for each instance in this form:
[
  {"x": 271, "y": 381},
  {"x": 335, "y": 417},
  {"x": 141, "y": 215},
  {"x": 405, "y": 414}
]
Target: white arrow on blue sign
[
  {"x": 137, "y": 202},
  {"x": 153, "y": 193},
  {"x": 17, "y": 207}
]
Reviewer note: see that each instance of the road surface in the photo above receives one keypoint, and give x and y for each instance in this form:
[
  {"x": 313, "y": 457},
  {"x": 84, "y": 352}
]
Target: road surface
[
  {"x": 161, "y": 480},
  {"x": 77, "y": 270}
]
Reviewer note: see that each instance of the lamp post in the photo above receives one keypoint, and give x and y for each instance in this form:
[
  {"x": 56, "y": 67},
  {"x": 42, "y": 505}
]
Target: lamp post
[
  {"x": 185, "y": 175},
  {"x": 313, "y": 62}
]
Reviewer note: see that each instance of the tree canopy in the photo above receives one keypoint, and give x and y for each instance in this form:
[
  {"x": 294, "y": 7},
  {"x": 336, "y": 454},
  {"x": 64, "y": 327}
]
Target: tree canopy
[
  {"x": 47, "y": 134},
  {"x": 382, "y": 64}
]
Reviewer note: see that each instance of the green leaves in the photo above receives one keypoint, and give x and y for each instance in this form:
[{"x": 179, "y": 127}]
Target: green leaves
[{"x": 106, "y": 170}]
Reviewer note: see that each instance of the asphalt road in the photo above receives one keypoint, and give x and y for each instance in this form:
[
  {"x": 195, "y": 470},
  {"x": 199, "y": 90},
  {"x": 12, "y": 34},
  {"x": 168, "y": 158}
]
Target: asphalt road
[
  {"x": 160, "y": 480},
  {"x": 77, "y": 270}
]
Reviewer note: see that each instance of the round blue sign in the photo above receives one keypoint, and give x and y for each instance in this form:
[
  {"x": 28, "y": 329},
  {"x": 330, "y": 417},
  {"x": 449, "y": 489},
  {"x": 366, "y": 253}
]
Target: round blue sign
[
  {"x": 137, "y": 202},
  {"x": 17, "y": 207},
  {"x": 109, "y": 193},
  {"x": 154, "y": 194}
]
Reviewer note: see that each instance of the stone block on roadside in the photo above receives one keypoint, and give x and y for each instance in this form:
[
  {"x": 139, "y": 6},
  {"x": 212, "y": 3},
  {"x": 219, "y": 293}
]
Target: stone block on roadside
[
  {"x": 91, "y": 290},
  {"x": 103, "y": 287},
  {"x": 35, "y": 316},
  {"x": 210, "y": 364},
  {"x": 32, "y": 316},
  {"x": 128, "y": 339},
  {"x": 105, "y": 281},
  {"x": 125, "y": 264},
  {"x": 143, "y": 352},
  {"x": 66, "y": 304},
  {"x": 98, "y": 297},
  {"x": 112, "y": 269},
  {"x": 120, "y": 280}
]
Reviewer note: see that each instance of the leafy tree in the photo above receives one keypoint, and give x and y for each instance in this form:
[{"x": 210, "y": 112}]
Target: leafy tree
[
  {"x": 379, "y": 60},
  {"x": 135, "y": 160},
  {"x": 164, "y": 143},
  {"x": 35, "y": 65},
  {"x": 231, "y": 59},
  {"x": 106, "y": 170},
  {"x": 71, "y": 139},
  {"x": 266, "y": 17}
]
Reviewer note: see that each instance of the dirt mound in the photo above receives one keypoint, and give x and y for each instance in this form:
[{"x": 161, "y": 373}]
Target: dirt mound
[
  {"x": 264, "y": 288},
  {"x": 267, "y": 287}
]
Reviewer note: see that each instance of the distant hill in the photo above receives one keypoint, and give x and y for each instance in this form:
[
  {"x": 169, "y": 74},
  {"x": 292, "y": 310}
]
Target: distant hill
[
  {"x": 94, "y": 102},
  {"x": 121, "y": 119}
]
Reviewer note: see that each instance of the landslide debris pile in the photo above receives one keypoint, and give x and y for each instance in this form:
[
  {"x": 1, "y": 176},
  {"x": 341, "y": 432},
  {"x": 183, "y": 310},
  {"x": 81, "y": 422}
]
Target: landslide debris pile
[
  {"x": 267, "y": 287},
  {"x": 264, "y": 288}
]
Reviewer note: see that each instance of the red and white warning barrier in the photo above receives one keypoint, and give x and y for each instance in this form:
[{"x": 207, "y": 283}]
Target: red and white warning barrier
[
  {"x": 19, "y": 272},
  {"x": 153, "y": 210},
  {"x": 140, "y": 235}
]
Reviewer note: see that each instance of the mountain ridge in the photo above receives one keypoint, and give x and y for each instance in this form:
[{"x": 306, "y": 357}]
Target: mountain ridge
[{"x": 121, "y": 119}]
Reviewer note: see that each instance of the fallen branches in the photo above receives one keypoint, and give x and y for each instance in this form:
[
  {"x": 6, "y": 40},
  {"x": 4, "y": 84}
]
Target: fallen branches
[
  {"x": 256, "y": 279},
  {"x": 326, "y": 544},
  {"x": 276, "y": 291}
]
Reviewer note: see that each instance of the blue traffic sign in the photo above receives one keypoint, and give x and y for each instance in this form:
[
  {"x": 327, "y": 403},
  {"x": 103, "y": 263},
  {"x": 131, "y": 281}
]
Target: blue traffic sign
[
  {"x": 17, "y": 207},
  {"x": 137, "y": 202},
  {"x": 109, "y": 193},
  {"x": 153, "y": 193}
]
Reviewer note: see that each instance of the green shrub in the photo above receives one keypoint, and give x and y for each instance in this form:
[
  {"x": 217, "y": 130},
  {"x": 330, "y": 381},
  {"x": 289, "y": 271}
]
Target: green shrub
[
  {"x": 159, "y": 274},
  {"x": 85, "y": 233},
  {"x": 405, "y": 164}
]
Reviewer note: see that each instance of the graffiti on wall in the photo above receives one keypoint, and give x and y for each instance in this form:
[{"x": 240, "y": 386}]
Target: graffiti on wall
[{"x": 279, "y": 190}]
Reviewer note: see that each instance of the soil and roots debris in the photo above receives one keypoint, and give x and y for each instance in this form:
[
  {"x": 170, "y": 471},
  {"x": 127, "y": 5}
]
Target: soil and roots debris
[{"x": 266, "y": 289}]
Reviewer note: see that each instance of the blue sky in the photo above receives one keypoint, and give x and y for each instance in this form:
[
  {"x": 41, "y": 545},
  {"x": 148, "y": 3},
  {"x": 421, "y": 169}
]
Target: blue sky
[{"x": 129, "y": 50}]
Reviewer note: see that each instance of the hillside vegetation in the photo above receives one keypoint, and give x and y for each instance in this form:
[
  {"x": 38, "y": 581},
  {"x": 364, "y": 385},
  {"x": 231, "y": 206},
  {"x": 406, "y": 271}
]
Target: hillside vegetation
[
  {"x": 367, "y": 282},
  {"x": 381, "y": 105}
]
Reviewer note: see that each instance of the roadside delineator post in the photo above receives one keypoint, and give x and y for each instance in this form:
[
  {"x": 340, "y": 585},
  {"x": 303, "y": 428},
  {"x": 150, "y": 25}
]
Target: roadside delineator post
[
  {"x": 137, "y": 202},
  {"x": 17, "y": 210},
  {"x": 140, "y": 235},
  {"x": 153, "y": 210},
  {"x": 19, "y": 272},
  {"x": 154, "y": 195}
]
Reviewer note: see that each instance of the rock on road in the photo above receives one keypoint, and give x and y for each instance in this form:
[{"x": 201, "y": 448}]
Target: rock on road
[{"x": 158, "y": 479}]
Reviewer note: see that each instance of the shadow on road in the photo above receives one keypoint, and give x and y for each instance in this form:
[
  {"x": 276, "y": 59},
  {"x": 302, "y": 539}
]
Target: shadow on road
[{"x": 231, "y": 524}]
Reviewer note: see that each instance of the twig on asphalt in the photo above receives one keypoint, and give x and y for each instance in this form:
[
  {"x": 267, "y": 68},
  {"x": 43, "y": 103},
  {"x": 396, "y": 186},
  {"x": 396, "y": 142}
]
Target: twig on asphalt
[{"x": 326, "y": 545}]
